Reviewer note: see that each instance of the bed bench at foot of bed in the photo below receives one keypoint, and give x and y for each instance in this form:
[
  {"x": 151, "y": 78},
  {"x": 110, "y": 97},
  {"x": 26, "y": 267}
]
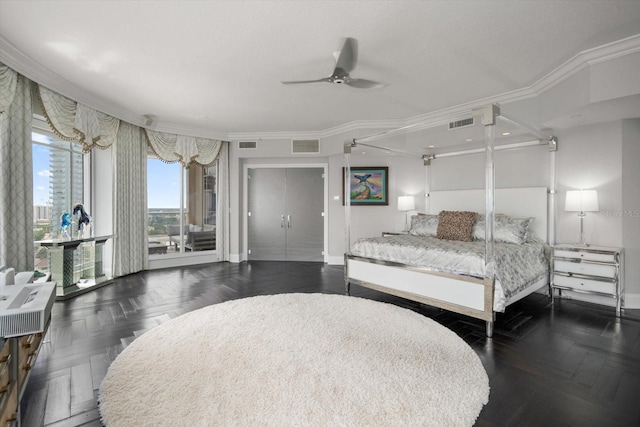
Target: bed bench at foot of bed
[{"x": 465, "y": 295}]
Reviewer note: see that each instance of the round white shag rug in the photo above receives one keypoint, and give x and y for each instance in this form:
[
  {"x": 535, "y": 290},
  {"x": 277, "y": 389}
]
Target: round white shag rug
[{"x": 296, "y": 359}]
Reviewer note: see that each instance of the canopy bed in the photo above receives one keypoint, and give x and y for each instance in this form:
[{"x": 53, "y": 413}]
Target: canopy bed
[{"x": 507, "y": 232}]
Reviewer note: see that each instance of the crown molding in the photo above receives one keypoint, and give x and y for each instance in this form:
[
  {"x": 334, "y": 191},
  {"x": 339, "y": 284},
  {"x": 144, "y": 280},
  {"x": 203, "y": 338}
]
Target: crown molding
[
  {"x": 354, "y": 126},
  {"x": 179, "y": 129},
  {"x": 421, "y": 121},
  {"x": 586, "y": 58},
  {"x": 35, "y": 71}
]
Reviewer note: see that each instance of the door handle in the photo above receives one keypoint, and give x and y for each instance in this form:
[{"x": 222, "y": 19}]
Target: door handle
[
  {"x": 281, "y": 221},
  {"x": 288, "y": 221}
]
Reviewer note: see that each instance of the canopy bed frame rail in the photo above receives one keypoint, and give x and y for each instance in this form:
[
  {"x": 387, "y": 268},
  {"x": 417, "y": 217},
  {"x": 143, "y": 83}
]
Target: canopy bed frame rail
[
  {"x": 461, "y": 294},
  {"x": 470, "y": 296}
]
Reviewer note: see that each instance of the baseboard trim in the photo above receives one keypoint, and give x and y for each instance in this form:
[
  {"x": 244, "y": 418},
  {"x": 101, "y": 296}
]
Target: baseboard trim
[
  {"x": 335, "y": 260},
  {"x": 632, "y": 301},
  {"x": 182, "y": 260},
  {"x": 235, "y": 258}
]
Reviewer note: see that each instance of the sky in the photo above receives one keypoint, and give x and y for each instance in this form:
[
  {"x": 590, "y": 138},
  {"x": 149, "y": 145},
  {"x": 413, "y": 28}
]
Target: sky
[
  {"x": 163, "y": 184},
  {"x": 163, "y": 178},
  {"x": 41, "y": 171}
]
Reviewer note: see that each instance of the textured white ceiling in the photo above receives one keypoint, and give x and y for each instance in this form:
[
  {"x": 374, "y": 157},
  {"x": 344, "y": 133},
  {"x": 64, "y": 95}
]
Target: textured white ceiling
[{"x": 217, "y": 65}]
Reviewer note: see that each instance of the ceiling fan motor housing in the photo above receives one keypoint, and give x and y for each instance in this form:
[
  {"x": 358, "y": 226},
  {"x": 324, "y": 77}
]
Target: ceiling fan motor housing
[{"x": 339, "y": 76}]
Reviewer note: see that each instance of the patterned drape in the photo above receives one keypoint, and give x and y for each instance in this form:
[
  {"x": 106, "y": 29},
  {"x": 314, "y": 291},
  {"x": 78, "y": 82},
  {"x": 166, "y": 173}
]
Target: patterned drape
[
  {"x": 8, "y": 86},
  {"x": 185, "y": 149},
  {"x": 222, "y": 216},
  {"x": 130, "y": 201},
  {"x": 73, "y": 121},
  {"x": 16, "y": 179}
]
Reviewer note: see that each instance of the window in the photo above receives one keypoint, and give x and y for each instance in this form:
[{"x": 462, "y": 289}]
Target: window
[
  {"x": 175, "y": 192},
  {"x": 210, "y": 180},
  {"x": 57, "y": 185},
  {"x": 163, "y": 206}
]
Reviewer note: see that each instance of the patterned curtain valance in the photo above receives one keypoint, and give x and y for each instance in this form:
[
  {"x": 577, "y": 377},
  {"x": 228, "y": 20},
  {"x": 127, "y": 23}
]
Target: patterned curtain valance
[
  {"x": 185, "y": 149},
  {"x": 8, "y": 85},
  {"x": 73, "y": 121}
]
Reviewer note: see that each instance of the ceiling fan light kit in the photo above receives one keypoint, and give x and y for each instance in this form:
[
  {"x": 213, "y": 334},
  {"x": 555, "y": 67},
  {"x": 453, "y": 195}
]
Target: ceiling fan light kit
[{"x": 345, "y": 63}]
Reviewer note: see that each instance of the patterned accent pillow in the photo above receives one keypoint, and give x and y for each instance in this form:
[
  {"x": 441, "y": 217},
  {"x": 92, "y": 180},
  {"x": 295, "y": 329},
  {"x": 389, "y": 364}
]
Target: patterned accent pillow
[
  {"x": 506, "y": 229},
  {"x": 455, "y": 225},
  {"x": 424, "y": 225}
]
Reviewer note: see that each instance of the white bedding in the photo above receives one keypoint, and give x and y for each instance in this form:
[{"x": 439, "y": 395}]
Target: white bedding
[{"x": 517, "y": 266}]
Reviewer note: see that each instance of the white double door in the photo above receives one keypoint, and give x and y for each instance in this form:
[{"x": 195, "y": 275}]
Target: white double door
[{"x": 285, "y": 214}]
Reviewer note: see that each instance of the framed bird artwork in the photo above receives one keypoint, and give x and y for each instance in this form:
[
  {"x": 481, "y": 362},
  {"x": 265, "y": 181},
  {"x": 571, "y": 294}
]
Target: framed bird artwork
[{"x": 368, "y": 186}]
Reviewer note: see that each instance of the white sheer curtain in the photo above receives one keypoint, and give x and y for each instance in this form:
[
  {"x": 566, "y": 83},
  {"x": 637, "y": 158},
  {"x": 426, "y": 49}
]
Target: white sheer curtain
[
  {"x": 130, "y": 201},
  {"x": 16, "y": 179},
  {"x": 222, "y": 215}
]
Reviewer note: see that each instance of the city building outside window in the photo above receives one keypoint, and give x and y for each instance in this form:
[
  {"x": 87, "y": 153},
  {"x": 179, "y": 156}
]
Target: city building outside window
[{"x": 58, "y": 184}]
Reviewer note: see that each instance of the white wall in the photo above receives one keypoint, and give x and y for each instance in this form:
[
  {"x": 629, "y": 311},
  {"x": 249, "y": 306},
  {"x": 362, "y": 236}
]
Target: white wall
[
  {"x": 521, "y": 167},
  {"x": 406, "y": 177},
  {"x": 631, "y": 208},
  {"x": 273, "y": 151},
  {"x": 525, "y": 167},
  {"x": 604, "y": 157},
  {"x": 590, "y": 157}
]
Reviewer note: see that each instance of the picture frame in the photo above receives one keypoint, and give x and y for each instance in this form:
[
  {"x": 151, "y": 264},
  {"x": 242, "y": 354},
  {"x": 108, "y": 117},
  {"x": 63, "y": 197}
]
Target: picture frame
[{"x": 368, "y": 186}]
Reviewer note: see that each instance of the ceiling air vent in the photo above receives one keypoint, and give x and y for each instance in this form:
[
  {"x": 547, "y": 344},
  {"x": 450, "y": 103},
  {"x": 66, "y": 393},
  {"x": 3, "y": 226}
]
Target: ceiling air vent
[
  {"x": 462, "y": 123},
  {"x": 247, "y": 145},
  {"x": 305, "y": 146}
]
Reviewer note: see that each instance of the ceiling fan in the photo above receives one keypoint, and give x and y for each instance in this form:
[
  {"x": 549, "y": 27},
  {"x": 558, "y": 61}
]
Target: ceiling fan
[{"x": 345, "y": 63}]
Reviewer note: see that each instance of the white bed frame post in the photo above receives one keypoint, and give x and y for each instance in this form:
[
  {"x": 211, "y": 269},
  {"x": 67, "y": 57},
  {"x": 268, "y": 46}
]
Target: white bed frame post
[
  {"x": 551, "y": 216},
  {"x": 347, "y": 210},
  {"x": 489, "y": 116}
]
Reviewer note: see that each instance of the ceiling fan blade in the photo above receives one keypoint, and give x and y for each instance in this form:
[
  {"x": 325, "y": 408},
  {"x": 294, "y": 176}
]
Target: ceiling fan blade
[
  {"x": 364, "y": 84},
  {"x": 346, "y": 60},
  {"x": 297, "y": 82},
  {"x": 348, "y": 55}
]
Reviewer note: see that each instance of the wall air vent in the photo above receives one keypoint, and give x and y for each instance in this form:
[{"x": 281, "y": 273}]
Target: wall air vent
[
  {"x": 305, "y": 146},
  {"x": 247, "y": 145},
  {"x": 462, "y": 123}
]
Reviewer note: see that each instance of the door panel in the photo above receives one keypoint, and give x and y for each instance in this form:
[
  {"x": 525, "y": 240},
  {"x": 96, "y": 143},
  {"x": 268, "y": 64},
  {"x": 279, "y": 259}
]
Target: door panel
[
  {"x": 266, "y": 235},
  {"x": 286, "y": 222},
  {"x": 305, "y": 203}
]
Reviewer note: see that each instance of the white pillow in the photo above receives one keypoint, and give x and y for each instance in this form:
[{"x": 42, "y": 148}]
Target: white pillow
[
  {"x": 424, "y": 225},
  {"x": 506, "y": 229}
]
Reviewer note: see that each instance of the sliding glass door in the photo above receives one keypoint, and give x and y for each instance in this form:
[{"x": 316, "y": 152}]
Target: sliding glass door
[{"x": 181, "y": 208}]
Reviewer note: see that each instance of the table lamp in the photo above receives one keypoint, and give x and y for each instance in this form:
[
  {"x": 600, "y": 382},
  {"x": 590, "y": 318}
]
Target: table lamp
[
  {"x": 406, "y": 204},
  {"x": 581, "y": 201}
]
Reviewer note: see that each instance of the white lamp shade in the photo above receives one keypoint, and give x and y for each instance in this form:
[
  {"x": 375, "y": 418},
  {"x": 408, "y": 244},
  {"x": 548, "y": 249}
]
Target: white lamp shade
[
  {"x": 406, "y": 203},
  {"x": 581, "y": 201}
]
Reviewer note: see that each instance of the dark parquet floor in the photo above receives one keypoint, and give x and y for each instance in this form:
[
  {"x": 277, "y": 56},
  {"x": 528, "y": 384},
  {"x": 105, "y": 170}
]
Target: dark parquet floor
[{"x": 575, "y": 364}]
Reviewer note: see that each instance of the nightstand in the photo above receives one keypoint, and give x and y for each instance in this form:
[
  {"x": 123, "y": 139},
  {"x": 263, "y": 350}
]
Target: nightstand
[
  {"x": 594, "y": 270},
  {"x": 394, "y": 233}
]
